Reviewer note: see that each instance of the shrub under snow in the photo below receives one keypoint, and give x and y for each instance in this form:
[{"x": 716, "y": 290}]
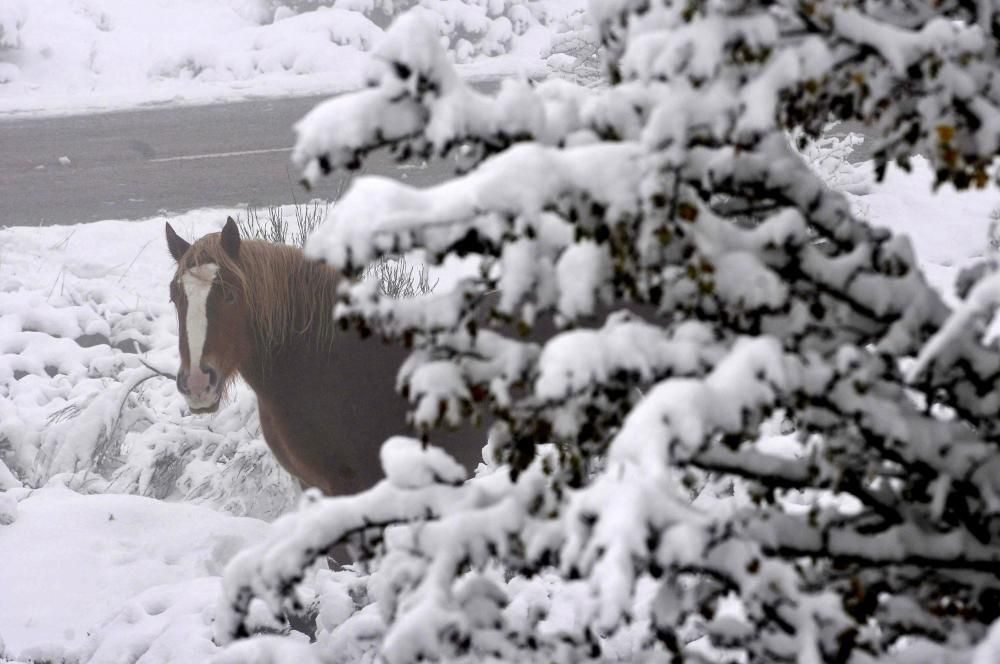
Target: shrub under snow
[{"x": 750, "y": 468}]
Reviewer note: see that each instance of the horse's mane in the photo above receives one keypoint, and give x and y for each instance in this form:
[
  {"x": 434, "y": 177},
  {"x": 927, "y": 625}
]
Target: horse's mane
[{"x": 287, "y": 295}]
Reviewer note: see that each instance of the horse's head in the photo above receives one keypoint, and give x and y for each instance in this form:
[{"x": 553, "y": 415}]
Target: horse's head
[{"x": 212, "y": 314}]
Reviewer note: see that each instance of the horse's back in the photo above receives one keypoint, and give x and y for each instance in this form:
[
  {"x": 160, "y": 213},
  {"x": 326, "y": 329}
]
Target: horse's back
[
  {"x": 365, "y": 409},
  {"x": 362, "y": 409}
]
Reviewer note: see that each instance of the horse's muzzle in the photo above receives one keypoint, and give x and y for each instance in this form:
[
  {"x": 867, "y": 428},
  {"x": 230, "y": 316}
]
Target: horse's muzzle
[{"x": 200, "y": 387}]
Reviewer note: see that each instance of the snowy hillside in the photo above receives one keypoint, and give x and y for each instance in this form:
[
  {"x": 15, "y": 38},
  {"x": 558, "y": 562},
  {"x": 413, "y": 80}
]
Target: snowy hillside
[{"x": 59, "y": 56}]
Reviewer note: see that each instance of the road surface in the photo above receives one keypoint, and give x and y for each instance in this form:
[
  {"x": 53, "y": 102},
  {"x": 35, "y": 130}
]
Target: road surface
[{"x": 139, "y": 163}]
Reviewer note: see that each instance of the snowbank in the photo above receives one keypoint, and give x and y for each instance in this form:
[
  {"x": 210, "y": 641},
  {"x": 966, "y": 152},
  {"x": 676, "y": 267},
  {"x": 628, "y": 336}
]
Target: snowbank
[{"x": 58, "y": 56}]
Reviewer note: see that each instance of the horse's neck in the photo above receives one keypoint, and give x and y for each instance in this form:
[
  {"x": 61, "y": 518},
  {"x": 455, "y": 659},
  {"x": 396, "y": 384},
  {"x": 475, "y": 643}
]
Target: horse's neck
[
  {"x": 269, "y": 360},
  {"x": 300, "y": 357}
]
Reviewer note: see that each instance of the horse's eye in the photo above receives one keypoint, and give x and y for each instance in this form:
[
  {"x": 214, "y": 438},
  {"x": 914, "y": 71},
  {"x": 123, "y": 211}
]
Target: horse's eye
[{"x": 228, "y": 295}]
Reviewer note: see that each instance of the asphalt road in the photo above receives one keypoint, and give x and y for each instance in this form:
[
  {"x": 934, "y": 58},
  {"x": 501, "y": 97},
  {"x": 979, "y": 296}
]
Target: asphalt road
[{"x": 139, "y": 163}]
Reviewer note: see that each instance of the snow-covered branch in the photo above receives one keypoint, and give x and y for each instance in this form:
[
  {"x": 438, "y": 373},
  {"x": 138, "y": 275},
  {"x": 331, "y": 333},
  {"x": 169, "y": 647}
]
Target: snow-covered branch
[{"x": 640, "y": 453}]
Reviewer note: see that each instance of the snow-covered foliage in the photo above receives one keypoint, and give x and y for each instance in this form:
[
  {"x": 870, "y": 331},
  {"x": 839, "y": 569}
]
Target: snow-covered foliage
[{"x": 738, "y": 468}]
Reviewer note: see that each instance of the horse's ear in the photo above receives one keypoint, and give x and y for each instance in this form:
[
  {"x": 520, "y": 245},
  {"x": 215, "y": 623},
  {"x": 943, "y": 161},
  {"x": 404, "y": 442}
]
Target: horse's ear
[
  {"x": 231, "y": 238},
  {"x": 178, "y": 246}
]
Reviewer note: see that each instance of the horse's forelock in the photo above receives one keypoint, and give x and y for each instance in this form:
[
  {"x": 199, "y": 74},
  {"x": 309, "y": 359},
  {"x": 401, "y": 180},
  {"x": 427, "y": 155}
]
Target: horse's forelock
[{"x": 208, "y": 251}]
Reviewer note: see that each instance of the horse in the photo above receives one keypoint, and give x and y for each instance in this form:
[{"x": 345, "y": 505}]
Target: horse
[{"x": 326, "y": 398}]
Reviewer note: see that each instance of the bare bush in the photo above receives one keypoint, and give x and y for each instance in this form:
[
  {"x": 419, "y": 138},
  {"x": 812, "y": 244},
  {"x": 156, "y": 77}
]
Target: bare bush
[
  {"x": 398, "y": 279},
  {"x": 270, "y": 226}
]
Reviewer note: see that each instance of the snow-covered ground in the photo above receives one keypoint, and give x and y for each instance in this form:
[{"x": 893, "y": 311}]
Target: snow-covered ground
[
  {"x": 73, "y": 562},
  {"x": 75, "y": 55},
  {"x": 947, "y": 229},
  {"x": 83, "y": 311}
]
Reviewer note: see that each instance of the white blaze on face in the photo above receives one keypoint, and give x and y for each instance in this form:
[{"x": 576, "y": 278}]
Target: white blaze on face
[{"x": 197, "y": 283}]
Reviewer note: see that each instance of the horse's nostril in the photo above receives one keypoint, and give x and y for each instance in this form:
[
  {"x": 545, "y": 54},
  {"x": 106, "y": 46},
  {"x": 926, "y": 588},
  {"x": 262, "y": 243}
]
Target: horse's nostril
[
  {"x": 213, "y": 378},
  {"x": 182, "y": 383}
]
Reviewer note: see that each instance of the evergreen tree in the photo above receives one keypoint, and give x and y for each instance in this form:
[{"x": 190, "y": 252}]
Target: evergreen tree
[{"x": 636, "y": 463}]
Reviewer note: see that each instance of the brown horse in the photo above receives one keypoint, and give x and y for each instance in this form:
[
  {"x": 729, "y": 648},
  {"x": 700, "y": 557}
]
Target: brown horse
[{"x": 326, "y": 399}]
